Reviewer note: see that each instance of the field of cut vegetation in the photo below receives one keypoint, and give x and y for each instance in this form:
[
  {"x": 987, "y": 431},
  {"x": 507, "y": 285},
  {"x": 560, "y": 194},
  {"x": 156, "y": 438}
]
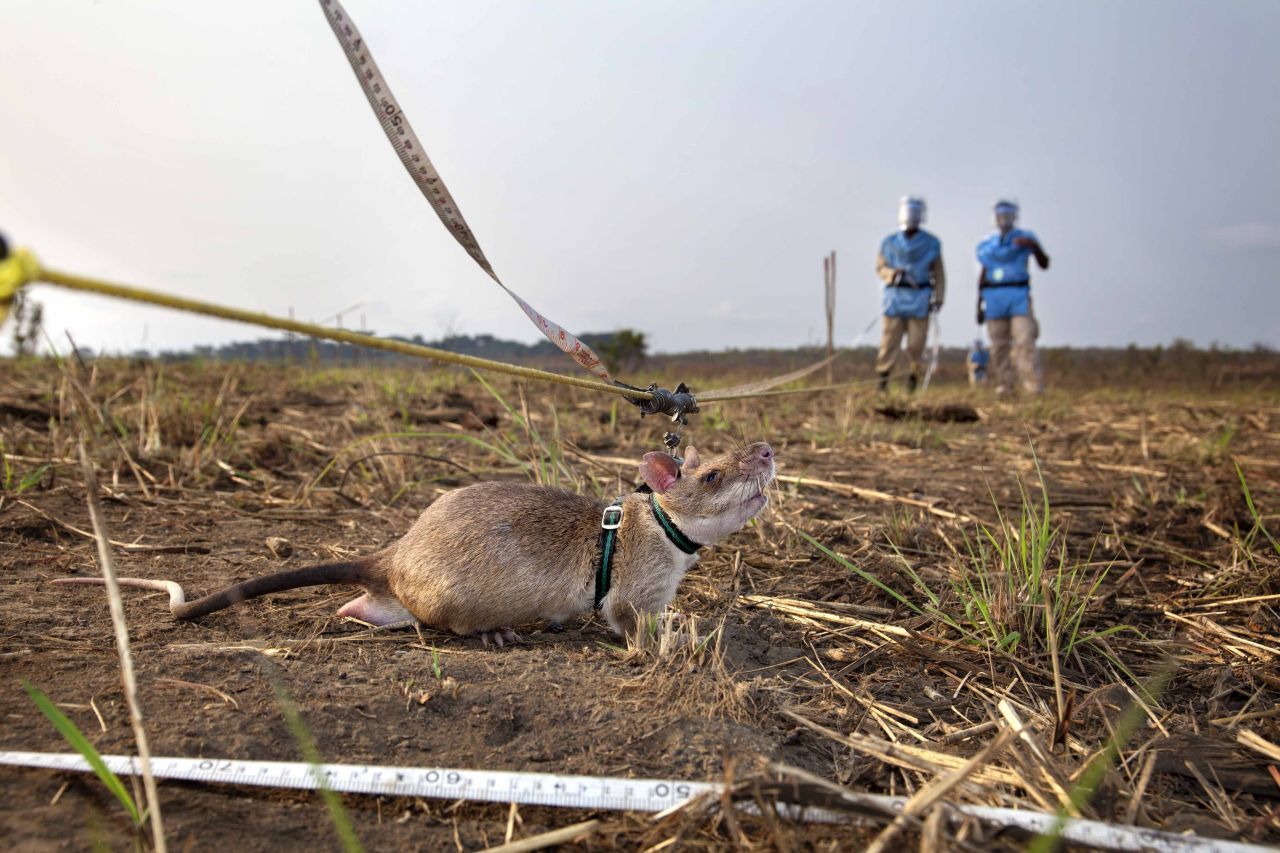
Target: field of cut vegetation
[{"x": 1080, "y": 592}]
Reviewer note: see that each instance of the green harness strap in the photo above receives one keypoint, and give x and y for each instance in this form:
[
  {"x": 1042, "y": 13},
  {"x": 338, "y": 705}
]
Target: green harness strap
[
  {"x": 610, "y": 521},
  {"x": 675, "y": 534}
]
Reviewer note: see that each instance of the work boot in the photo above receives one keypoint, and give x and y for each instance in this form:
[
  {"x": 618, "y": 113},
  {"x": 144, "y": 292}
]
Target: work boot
[
  {"x": 912, "y": 382},
  {"x": 884, "y": 382}
]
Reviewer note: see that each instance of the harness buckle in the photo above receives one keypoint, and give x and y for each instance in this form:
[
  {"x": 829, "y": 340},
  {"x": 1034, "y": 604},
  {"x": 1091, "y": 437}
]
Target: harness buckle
[{"x": 616, "y": 522}]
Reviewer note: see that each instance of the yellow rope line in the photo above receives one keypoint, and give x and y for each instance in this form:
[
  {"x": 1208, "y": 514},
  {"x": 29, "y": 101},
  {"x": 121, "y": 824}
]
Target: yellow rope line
[
  {"x": 22, "y": 268},
  {"x": 31, "y": 271},
  {"x": 15, "y": 271}
]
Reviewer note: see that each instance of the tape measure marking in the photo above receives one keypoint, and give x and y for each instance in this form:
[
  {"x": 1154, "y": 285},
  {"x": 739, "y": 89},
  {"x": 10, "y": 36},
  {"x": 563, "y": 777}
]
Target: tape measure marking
[
  {"x": 586, "y": 792},
  {"x": 395, "y": 124},
  {"x": 495, "y": 786}
]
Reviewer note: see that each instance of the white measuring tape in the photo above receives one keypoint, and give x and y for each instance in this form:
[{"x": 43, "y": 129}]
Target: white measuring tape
[
  {"x": 581, "y": 792},
  {"x": 493, "y": 786},
  {"x": 414, "y": 157}
]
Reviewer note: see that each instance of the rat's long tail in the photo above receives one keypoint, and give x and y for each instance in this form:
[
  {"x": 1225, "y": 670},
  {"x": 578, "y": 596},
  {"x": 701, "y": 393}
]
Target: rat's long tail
[{"x": 353, "y": 572}]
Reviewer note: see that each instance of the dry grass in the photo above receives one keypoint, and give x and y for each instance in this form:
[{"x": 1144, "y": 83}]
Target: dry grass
[{"x": 920, "y": 594}]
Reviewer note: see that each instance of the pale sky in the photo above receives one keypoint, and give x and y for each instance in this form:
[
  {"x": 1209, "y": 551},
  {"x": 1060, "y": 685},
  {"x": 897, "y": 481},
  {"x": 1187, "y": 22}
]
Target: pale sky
[{"x": 680, "y": 167}]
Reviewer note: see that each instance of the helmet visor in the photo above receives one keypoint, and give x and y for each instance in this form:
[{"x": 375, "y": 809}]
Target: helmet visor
[{"x": 910, "y": 213}]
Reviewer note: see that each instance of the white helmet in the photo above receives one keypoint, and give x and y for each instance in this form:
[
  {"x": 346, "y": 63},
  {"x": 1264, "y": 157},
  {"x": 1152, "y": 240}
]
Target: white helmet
[{"x": 910, "y": 212}]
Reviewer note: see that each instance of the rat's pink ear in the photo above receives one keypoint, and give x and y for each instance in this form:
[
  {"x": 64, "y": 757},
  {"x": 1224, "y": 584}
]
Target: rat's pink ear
[
  {"x": 691, "y": 459},
  {"x": 659, "y": 471}
]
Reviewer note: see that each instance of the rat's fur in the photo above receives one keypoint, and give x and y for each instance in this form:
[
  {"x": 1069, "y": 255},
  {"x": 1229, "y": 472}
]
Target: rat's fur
[{"x": 490, "y": 556}]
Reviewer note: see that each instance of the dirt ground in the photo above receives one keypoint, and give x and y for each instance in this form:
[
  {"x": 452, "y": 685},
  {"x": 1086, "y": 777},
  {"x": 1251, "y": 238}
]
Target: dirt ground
[{"x": 199, "y": 465}]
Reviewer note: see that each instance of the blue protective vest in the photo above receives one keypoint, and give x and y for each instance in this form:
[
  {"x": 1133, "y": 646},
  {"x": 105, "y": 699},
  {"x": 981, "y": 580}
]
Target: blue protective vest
[
  {"x": 916, "y": 255},
  {"x": 1006, "y": 265}
]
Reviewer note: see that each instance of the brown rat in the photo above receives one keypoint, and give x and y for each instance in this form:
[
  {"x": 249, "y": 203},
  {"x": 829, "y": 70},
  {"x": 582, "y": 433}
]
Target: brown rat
[{"x": 486, "y": 557}]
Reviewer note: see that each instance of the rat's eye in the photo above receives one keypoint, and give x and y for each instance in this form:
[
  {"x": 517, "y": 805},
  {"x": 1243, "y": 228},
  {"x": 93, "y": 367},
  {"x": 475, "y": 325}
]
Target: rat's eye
[{"x": 711, "y": 477}]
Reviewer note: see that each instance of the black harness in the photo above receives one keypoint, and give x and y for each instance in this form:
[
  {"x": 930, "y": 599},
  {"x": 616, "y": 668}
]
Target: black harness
[{"x": 610, "y": 521}]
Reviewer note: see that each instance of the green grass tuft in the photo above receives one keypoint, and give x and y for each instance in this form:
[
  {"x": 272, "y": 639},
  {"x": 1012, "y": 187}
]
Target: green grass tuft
[
  {"x": 71, "y": 732},
  {"x": 1012, "y": 587},
  {"x": 1258, "y": 526}
]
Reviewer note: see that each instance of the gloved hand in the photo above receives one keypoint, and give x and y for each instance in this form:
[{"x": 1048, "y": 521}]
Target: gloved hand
[
  {"x": 935, "y": 307},
  {"x": 982, "y": 313},
  {"x": 898, "y": 276}
]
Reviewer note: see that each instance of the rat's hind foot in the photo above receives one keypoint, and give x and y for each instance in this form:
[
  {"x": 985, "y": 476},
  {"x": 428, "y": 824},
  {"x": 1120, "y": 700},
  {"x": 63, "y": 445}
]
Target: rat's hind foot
[
  {"x": 554, "y": 628},
  {"x": 382, "y": 611},
  {"x": 499, "y": 637}
]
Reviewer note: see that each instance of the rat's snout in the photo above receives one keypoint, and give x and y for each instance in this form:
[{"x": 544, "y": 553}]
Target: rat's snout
[{"x": 758, "y": 457}]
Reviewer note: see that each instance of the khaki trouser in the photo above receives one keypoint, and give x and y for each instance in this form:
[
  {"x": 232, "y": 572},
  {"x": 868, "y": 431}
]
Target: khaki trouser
[
  {"x": 1016, "y": 336},
  {"x": 917, "y": 331}
]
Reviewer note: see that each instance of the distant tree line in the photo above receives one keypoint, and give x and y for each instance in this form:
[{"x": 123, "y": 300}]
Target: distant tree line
[{"x": 623, "y": 349}]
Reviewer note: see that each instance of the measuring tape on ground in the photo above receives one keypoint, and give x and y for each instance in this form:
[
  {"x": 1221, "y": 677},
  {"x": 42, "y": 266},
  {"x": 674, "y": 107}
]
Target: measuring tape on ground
[
  {"x": 395, "y": 124},
  {"x": 596, "y": 793},
  {"x": 493, "y": 786}
]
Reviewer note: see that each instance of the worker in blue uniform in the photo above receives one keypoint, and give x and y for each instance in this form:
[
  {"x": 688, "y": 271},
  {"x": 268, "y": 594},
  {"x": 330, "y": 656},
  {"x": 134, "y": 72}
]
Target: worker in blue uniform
[
  {"x": 977, "y": 362},
  {"x": 910, "y": 265},
  {"x": 1004, "y": 299}
]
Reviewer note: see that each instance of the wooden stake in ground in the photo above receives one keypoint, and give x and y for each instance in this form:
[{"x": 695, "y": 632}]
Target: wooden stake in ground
[
  {"x": 122, "y": 645},
  {"x": 829, "y": 286}
]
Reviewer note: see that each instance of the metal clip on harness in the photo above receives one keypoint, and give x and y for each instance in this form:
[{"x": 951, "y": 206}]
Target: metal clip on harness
[{"x": 677, "y": 405}]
